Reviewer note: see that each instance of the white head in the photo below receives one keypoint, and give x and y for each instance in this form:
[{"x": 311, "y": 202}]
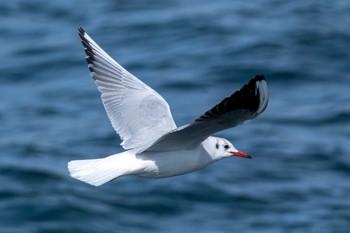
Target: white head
[{"x": 220, "y": 148}]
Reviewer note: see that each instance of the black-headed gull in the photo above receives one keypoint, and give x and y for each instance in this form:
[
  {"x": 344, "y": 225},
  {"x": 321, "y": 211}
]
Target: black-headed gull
[{"x": 154, "y": 146}]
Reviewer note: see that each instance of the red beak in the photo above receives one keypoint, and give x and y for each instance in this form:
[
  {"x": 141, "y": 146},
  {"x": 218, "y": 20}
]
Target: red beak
[{"x": 241, "y": 154}]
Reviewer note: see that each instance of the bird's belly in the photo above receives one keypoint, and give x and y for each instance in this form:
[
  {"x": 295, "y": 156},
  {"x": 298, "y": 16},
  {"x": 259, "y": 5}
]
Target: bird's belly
[{"x": 172, "y": 163}]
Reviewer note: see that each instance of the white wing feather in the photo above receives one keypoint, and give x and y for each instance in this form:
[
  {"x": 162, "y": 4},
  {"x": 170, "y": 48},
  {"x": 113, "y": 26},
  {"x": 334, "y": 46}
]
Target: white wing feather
[{"x": 137, "y": 112}]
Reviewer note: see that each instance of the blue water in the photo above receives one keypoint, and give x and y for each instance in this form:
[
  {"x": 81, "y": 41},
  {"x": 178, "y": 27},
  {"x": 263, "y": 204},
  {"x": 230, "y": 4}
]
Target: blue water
[{"x": 194, "y": 53}]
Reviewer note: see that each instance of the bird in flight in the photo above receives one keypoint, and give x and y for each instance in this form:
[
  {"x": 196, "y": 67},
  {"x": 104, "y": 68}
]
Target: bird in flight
[{"x": 154, "y": 146}]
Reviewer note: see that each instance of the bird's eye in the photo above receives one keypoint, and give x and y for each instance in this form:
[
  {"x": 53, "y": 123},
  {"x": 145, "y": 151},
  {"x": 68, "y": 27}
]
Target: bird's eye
[
  {"x": 226, "y": 147},
  {"x": 217, "y": 146}
]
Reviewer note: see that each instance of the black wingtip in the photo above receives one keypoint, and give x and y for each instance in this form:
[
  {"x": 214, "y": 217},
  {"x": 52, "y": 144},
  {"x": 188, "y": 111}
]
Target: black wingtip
[
  {"x": 85, "y": 42},
  {"x": 259, "y": 77},
  {"x": 249, "y": 93},
  {"x": 247, "y": 98},
  {"x": 81, "y": 31},
  {"x": 87, "y": 48}
]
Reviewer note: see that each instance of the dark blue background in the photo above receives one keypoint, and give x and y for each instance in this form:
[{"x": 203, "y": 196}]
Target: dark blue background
[{"x": 194, "y": 53}]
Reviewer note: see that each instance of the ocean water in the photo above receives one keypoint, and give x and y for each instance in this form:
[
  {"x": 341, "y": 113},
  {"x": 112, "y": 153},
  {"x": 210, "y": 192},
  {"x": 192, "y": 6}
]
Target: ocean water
[{"x": 194, "y": 53}]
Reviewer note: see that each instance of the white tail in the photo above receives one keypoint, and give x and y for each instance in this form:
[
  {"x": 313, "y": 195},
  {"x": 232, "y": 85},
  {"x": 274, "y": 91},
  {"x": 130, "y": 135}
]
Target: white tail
[{"x": 96, "y": 171}]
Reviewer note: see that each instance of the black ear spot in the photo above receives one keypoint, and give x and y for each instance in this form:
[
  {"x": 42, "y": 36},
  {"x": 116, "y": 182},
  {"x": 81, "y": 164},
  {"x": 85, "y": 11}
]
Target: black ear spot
[
  {"x": 226, "y": 147},
  {"x": 217, "y": 145}
]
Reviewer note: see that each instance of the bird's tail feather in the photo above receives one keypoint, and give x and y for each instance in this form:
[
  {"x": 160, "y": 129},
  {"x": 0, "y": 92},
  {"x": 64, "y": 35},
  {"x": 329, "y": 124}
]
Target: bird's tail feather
[{"x": 95, "y": 171}]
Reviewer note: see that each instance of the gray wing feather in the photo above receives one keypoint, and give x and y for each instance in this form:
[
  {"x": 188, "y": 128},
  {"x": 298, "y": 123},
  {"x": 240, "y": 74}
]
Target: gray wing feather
[{"x": 242, "y": 106}]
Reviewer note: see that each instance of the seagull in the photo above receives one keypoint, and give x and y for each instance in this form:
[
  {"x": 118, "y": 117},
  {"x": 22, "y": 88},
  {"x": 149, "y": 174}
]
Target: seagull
[{"x": 154, "y": 146}]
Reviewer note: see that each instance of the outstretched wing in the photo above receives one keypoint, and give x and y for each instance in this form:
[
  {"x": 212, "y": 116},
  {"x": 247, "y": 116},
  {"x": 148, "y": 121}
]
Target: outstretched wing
[
  {"x": 137, "y": 112},
  {"x": 242, "y": 106}
]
